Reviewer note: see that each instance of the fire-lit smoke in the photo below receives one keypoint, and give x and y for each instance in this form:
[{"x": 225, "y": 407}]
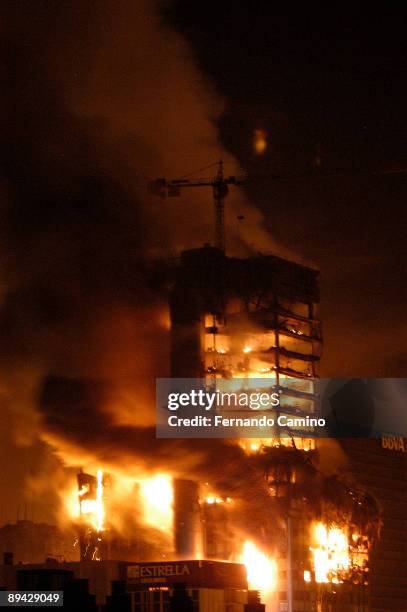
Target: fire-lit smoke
[
  {"x": 104, "y": 508},
  {"x": 101, "y": 99}
]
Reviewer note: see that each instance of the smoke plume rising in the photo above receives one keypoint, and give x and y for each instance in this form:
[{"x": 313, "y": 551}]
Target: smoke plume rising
[{"x": 101, "y": 97}]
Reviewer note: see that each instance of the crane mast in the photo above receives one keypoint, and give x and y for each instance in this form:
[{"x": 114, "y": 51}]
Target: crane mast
[{"x": 163, "y": 188}]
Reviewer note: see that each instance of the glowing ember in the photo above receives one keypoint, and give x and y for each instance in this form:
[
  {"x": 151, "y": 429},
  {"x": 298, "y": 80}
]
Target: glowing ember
[
  {"x": 157, "y": 496},
  {"x": 212, "y": 499},
  {"x": 259, "y": 141},
  {"x": 247, "y": 349},
  {"x": 261, "y": 569},
  {"x": 330, "y": 553}
]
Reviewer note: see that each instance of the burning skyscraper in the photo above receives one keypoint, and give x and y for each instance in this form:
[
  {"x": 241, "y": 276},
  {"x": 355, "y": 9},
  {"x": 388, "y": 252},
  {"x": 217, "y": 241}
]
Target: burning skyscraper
[
  {"x": 254, "y": 318},
  {"x": 262, "y": 502},
  {"x": 304, "y": 536},
  {"x": 257, "y": 319}
]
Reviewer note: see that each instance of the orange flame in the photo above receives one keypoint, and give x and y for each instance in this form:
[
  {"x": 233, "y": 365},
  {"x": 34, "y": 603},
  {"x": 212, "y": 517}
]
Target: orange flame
[
  {"x": 157, "y": 497},
  {"x": 261, "y": 569},
  {"x": 93, "y": 509},
  {"x": 330, "y": 553}
]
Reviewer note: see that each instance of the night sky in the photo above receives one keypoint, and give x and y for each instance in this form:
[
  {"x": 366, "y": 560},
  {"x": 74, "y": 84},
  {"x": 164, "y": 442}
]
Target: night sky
[
  {"x": 101, "y": 96},
  {"x": 330, "y": 90}
]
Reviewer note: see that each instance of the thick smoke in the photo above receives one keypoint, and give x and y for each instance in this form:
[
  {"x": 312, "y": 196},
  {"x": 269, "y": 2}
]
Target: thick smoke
[
  {"x": 100, "y": 98},
  {"x": 78, "y": 415}
]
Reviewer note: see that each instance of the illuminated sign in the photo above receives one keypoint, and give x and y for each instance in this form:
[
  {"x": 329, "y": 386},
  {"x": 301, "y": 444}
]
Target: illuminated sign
[
  {"x": 157, "y": 571},
  {"x": 397, "y": 443},
  {"x": 209, "y": 574}
]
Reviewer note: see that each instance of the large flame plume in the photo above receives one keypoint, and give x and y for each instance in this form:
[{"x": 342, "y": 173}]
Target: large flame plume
[
  {"x": 157, "y": 494},
  {"x": 337, "y": 556},
  {"x": 93, "y": 509},
  {"x": 261, "y": 569},
  {"x": 330, "y": 553}
]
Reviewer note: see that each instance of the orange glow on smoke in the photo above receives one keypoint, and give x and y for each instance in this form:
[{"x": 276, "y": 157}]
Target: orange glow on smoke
[
  {"x": 151, "y": 497},
  {"x": 330, "y": 553},
  {"x": 261, "y": 569},
  {"x": 157, "y": 495}
]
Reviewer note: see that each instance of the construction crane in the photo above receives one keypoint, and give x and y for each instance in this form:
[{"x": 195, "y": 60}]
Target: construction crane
[{"x": 163, "y": 188}]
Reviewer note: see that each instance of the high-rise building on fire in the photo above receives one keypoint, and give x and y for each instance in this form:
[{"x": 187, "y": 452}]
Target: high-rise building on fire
[
  {"x": 254, "y": 318},
  {"x": 257, "y": 319},
  {"x": 247, "y": 318}
]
